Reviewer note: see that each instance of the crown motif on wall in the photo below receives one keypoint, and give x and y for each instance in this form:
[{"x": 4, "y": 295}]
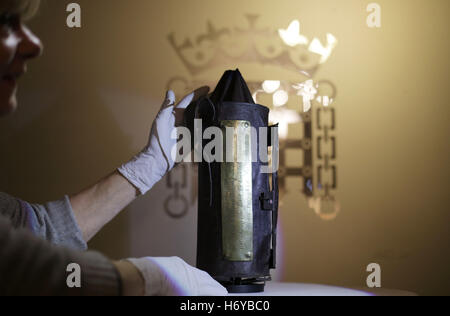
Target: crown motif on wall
[{"x": 287, "y": 48}]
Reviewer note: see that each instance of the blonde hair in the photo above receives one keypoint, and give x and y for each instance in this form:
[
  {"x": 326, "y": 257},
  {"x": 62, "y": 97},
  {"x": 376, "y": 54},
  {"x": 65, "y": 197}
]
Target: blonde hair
[{"x": 24, "y": 8}]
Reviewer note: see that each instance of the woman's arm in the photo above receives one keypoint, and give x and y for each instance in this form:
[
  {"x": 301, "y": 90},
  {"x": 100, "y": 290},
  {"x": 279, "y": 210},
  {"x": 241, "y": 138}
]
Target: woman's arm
[{"x": 96, "y": 206}]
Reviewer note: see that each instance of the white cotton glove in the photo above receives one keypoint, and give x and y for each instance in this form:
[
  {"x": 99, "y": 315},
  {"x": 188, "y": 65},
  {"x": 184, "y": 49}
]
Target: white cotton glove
[
  {"x": 155, "y": 160},
  {"x": 174, "y": 277}
]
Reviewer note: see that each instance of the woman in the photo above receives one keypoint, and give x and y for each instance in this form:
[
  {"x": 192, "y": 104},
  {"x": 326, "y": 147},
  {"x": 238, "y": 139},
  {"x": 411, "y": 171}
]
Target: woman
[{"x": 38, "y": 242}]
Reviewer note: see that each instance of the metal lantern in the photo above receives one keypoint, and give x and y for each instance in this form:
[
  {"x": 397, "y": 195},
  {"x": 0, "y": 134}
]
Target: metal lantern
[{"x": 237, "y": 201}]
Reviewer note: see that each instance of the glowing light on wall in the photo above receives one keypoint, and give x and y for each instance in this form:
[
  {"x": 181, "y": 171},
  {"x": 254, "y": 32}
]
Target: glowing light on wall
[
  {"x": 291, "y": 36},
  {"x": 280, "y": 98},
  {"x": 308, "y": 91},
  {"x": 270, "y": 86},
  {"x": 325, "y": 100},
  {"x": 324, "y": 51}
]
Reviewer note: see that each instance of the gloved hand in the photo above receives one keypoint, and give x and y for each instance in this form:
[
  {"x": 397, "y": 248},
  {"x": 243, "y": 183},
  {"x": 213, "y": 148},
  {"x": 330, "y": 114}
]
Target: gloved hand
[
  {"x": 174, "y": 277},
  {"x": 155, "y": 160}
]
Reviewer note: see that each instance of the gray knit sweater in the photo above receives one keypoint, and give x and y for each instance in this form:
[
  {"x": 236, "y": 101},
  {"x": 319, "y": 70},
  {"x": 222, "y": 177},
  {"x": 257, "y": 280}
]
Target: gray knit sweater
[{"x": 38, "y": 242}]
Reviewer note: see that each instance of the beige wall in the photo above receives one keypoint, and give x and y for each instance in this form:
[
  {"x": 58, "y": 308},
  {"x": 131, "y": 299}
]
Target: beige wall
[{"x": 87, "y": 105}]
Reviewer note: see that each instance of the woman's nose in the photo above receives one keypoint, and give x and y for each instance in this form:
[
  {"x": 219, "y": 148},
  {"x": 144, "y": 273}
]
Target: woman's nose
[{"x": 30, "y": 46}]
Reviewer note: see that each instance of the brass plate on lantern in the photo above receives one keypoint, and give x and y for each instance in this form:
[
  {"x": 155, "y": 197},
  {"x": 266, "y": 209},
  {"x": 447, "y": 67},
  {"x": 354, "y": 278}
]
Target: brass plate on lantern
[{"x": 236, "y": 181}]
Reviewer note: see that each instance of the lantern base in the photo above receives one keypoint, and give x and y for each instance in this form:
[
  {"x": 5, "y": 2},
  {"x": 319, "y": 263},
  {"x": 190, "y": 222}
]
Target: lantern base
[
  {"x": 238, "y": 285},
  {"x": 245, "y": 288}
]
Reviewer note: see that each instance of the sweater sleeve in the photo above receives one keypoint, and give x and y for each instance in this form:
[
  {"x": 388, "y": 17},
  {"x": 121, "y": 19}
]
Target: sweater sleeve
[
  {"x": 54, "y": 221},
  {"x": 32, "y": 266}
]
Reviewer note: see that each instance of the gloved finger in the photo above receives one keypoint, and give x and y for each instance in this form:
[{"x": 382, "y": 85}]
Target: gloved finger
[
  {"x": 169, "y": 100},
  {"x": 194, "y": 96}
]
